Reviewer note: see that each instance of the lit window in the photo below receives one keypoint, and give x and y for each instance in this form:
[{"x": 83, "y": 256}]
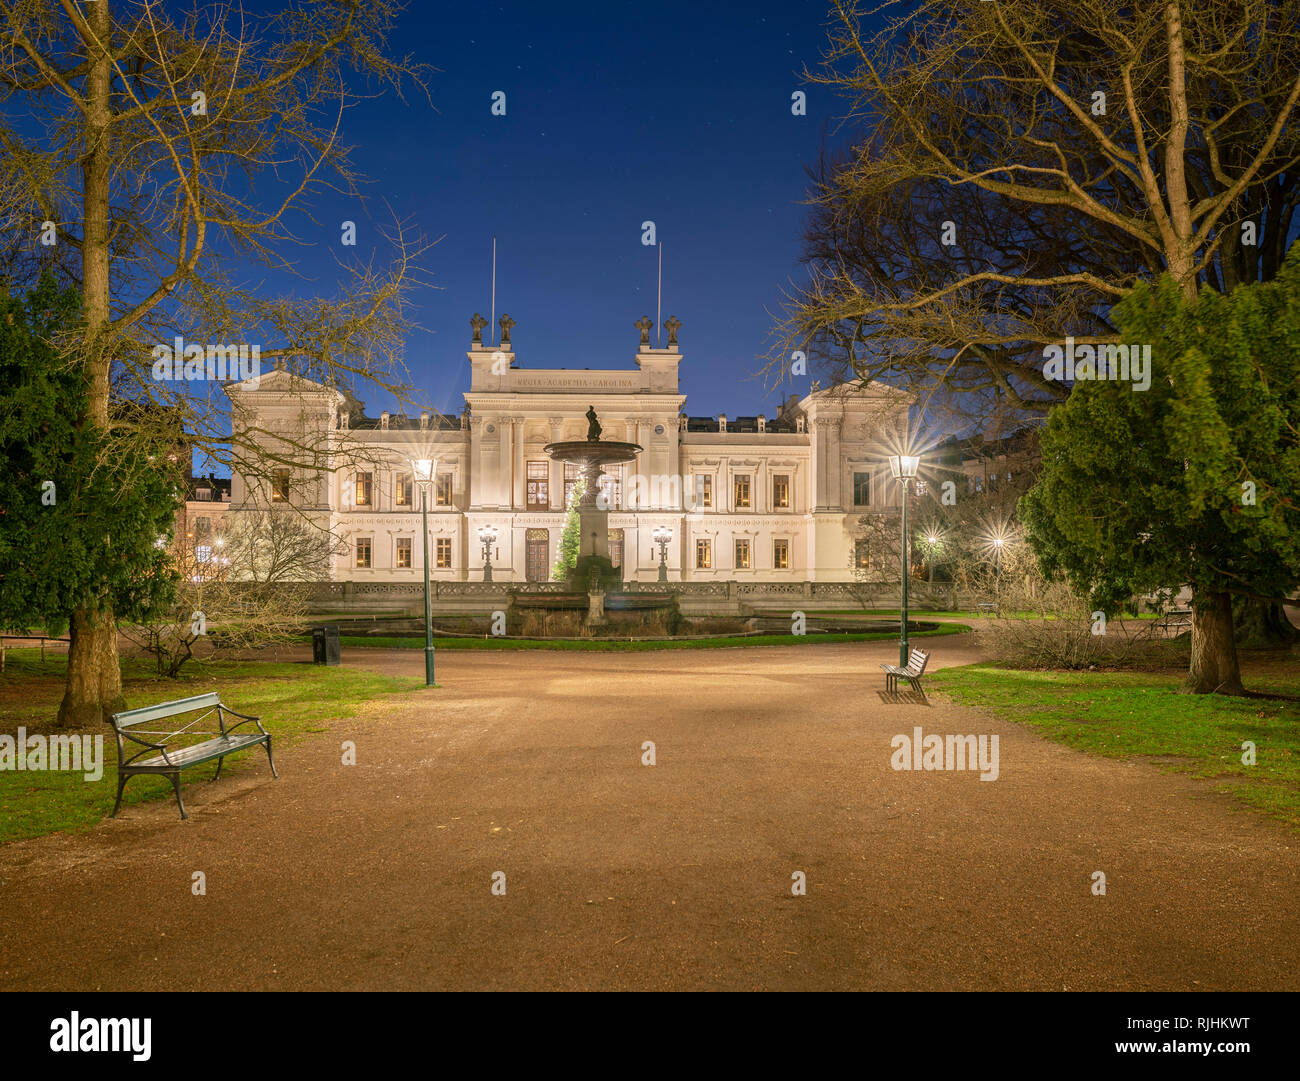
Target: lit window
[
  {"x": 862, "y": 555},
  {"x": 703, "y": 554},
  {"x": 781, "y": 491},
  {"x": 571, "y": 477},
  {"x": 781, "y": 555},
  {"x": 442, "y": 495},
  {"x": 364, "y": 489},
  {"x": 741, "y": 490},
  {"x": 280, "y": 486},
  {"x": 611, "y": 486},
  {"x": 862, "y": 489},
  {"x": 203, "y": 553},
  {"x": 363, "y": 552},
  {"x": 537, "y": 495},
  {"x": 443, "y": 551},
  {"x": 404, "y": 491},
  {"x": 403, "y": 552},
  {"x": 742, "y": 554}
]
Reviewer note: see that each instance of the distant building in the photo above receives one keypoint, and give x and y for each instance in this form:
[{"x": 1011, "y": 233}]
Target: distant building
[
  {"x": 747, "y": 497},
  {"x": 202, "y": 522}
]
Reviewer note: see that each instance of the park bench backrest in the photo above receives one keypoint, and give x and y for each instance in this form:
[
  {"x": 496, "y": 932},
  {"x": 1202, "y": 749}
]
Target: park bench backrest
[
  {"x": 131, "y": 717},
  {"x": 917, "y": 661}
]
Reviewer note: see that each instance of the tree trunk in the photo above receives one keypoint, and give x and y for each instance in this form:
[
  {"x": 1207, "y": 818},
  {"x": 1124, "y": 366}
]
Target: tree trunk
[
  {"x": 94, "y": 687},
  {"x": 1214, "y": 650},
  {"x": 1262, "y": 624},
  {"x": 94, "y": 684}
]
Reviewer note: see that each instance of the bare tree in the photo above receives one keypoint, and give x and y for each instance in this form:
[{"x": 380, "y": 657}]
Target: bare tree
[
  {"x": 1028, "y": 163},
  {"x": 276, "y": 545},
  {"x": 214, "y": 614},
  {"x": 168, "y": 152}
]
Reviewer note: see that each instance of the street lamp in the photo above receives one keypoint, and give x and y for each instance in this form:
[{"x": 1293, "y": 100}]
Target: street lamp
[
  {"x": 422, "y": 469},
  {"x": 487, "y": 534},
  {"x": 904, "y": 467},
  {"x": 663, "y": 536}
]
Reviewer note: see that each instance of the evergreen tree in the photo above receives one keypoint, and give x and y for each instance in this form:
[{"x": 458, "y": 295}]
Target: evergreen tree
[
  {"x": 82, "y": 514},
  {"x": 570, "y": 539},
  {"x": 1194, "y": 482}
]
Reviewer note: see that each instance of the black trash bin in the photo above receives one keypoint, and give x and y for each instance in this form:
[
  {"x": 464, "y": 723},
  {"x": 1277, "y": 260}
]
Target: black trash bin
[{"x": 325, "y": 645}]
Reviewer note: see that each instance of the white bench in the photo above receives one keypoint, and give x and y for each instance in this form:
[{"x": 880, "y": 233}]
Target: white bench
[{"x": 916, "y": 662}]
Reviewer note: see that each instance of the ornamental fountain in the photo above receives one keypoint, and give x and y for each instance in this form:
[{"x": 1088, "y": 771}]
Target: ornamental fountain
[{"x": 590, "y": 455}]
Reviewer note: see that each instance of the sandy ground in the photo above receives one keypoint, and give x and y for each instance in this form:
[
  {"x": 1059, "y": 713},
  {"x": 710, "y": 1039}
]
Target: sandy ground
[{"x": 678, "y": 875}]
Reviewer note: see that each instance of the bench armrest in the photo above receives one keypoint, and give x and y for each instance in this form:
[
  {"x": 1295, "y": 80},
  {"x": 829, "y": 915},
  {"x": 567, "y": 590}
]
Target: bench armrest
[{"x": 244, "y": 719}]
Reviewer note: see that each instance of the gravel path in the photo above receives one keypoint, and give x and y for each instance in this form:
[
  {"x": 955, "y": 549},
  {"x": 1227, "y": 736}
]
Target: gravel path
[{"x": 679, "y": 875}]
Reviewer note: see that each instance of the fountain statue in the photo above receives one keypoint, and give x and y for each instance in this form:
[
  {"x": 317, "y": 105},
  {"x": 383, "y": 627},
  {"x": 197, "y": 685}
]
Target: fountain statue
[{"x": 590, "y": 455}]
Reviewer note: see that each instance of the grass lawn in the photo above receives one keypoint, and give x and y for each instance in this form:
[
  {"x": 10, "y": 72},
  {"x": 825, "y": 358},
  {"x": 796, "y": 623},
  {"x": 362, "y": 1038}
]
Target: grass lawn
[
  {"x": 1133, "y": 715},
  {"x": 600, "y": 645},
  {"x": 291, "y": 699}
]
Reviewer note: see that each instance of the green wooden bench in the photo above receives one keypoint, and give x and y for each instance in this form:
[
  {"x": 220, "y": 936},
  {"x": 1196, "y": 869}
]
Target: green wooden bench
[{"x": 173, "y": 755}]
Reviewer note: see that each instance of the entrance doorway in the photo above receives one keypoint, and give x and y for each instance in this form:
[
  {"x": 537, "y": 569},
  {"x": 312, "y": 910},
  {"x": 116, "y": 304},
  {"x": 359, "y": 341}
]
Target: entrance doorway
[{"x": 537, "y": 549}]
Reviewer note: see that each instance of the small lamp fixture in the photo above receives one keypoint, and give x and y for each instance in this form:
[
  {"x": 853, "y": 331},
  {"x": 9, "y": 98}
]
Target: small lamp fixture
[{"x": 904, "y": 466}]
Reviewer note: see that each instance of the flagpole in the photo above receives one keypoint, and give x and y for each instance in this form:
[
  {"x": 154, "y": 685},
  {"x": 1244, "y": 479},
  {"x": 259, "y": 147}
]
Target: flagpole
[{"x": 659, "y": 299}]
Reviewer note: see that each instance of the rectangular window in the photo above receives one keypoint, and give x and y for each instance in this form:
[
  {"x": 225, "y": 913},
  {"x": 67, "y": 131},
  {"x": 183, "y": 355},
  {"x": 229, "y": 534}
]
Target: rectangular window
[
  {"x": 703, "y": 554},
  {"x": 203, "y": 553},
  {"x": 442, "y": 494},
  {"x": 862, "y": 489},
  {"x": 742, "y": 554},
  {"x": 781, "y": 492},
  {"x": 442, "y": 552},
  {"x": 364, "y": 493},
  {"x": 403, "y": 552},
  {"x": 703, "y": 490},
  {"x": 741, "y": 490},
  {"x": 781, "y": 555},
  {"x": 363, "y": 551},
  {"x": 611, "y": 484},
  {"x": 202, "y": 526},
  {"x": 280, "y": 486},
  {"x": 404, "y": 491},
  {"x": 861, "y": 555},
  {"x": 571, "y": 477},
  {"x": 537, "y": 495}
]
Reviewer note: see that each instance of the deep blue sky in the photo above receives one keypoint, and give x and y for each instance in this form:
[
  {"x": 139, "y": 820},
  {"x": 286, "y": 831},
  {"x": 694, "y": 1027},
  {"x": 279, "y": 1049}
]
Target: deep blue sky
[{"x": 617, "y": 113}]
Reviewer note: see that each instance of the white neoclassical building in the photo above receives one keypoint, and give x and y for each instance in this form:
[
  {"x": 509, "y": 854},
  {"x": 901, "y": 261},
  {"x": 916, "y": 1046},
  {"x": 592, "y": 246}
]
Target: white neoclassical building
[{"x": 747, "y": 498}]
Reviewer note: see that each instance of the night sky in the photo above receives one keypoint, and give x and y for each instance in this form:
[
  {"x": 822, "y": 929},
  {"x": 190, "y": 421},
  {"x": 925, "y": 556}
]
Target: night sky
[{"x": 618, "y": 113}]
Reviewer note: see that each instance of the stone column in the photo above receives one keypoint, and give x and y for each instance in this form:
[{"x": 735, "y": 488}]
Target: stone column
[
  {"x": 518, "y": 499},
  {"x": 834, "y": 474},
  {"x": 632, "y": 468},
  {"x": 503, "y": 462},
  {"x": 556, "y": 470}
]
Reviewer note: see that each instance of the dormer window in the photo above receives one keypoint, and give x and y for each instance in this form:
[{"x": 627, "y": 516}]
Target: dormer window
[
  {"x": 722, "y": 422},
  {"x": 800, "y": 425}
]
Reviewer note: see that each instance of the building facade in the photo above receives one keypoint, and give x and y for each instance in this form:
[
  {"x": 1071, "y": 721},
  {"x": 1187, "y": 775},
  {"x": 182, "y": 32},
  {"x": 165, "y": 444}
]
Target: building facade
[{"x": 746, "y": 499}]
